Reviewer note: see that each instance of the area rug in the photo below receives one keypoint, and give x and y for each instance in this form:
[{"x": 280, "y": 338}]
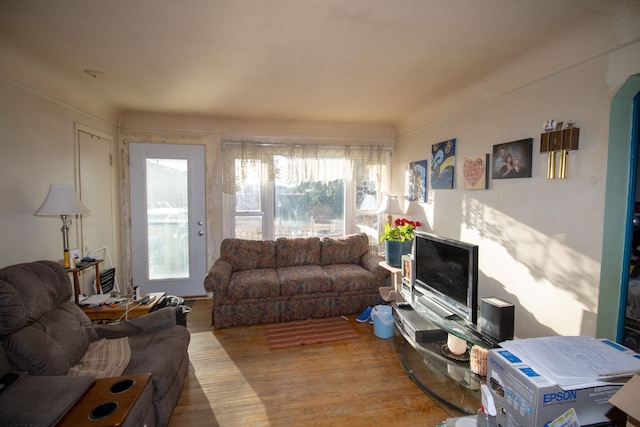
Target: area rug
[{"x": 310, "y": 331}]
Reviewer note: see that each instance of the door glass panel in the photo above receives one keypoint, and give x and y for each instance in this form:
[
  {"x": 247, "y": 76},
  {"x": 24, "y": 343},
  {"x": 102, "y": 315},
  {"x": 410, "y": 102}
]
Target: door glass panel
[{"x": 167, "y": 186}]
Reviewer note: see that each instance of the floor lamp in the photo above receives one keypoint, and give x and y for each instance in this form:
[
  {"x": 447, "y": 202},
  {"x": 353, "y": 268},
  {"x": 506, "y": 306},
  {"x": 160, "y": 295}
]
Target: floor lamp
[{"x": 62, "y": 200}]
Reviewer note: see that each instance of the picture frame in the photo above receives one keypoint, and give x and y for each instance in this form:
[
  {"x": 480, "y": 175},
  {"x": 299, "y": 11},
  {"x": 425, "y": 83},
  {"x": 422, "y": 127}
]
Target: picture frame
[
  {"x": 475, "y": 172},
  {"x": 443, "y": 159},
  {"x": 512, "y": 159},
  {"x": 408, "y": 270},
  {"x": 418, "y": 181}
]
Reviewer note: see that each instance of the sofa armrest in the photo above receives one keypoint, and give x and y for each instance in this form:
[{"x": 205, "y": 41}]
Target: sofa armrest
[
  {"x": 371, "y": 263},
  {"x": 152, "y": 322},
  {"x": 218, "y": 279},
  {"x": 41, "y": 400}
]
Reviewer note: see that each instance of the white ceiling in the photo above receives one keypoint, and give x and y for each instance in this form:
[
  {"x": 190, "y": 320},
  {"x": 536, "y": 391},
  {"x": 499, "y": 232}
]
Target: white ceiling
[{"x": 373, "y": 61}]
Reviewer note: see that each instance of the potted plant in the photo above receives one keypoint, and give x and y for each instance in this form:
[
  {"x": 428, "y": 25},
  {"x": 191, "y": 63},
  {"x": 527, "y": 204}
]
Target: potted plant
[{"x": 398, "y": 240}]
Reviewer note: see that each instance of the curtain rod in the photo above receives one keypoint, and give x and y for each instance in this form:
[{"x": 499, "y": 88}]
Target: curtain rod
[{"x": 284, "y": 144}]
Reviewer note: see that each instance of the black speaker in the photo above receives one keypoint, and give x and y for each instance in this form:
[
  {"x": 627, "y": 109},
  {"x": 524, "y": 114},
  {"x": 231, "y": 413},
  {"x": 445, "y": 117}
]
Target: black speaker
[{"x": 496, "y": 318}]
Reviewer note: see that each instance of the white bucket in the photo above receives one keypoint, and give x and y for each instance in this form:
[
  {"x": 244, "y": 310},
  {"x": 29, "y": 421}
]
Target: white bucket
[{"x": 382, "y": 321}]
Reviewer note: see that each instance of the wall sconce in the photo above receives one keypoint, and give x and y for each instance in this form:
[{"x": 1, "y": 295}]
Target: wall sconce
[
  {"x": 558, "y": 140},
  {"x": 62, "y": 200}
]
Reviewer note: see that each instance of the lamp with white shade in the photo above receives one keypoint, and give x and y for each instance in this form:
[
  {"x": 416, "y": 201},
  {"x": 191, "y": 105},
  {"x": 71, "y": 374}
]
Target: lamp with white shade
[
  {"x": 390, "y": 206},
  {"x": 62, "y": 200}
]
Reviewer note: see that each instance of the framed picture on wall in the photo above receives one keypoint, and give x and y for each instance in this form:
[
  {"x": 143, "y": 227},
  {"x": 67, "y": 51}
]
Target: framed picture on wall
[
  {"x": 512, "y": 159},
  {"x": 475, "y": 172},
  {"x": 418, "y": 181},
  {"x": 443, "y": 157}
]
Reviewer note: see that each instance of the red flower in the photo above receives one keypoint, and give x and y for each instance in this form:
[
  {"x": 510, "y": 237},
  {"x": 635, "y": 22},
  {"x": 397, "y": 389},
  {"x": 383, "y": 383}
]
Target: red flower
[{"x": 404, "y": 221}]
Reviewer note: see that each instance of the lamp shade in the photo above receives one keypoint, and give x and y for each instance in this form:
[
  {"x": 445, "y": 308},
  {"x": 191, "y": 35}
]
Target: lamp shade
[
  {"x": 390, "y": 205},
  {"x": 61, "y": 200}
]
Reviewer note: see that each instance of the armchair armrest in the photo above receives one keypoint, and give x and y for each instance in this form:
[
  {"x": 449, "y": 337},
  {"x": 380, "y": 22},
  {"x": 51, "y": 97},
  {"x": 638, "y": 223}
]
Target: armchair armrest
[
  {"x": 152, "y": 322},
  {"x": 218, "y": 279}
]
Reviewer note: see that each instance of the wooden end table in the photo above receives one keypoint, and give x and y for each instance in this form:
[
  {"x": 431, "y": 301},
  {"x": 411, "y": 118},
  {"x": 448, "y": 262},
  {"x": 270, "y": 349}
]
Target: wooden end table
[
  {"x": 76, "y": 279},
  {"x": 133, "y": 309}
]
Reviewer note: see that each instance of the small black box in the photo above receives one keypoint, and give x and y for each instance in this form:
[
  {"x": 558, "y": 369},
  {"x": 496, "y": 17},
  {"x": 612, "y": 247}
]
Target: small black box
[
  {"x": 416, "y": 327},
  {"x": 496, "y": 318}
]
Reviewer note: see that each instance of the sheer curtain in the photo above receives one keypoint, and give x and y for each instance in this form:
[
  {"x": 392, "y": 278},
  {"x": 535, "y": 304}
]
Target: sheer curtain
[
  {"x": 315, "y": 163},
  {"x": 299, "y": 190}
]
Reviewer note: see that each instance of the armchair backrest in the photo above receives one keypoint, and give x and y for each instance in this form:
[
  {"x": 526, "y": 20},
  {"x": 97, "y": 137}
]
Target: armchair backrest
[{"x": 42, "y": 331}]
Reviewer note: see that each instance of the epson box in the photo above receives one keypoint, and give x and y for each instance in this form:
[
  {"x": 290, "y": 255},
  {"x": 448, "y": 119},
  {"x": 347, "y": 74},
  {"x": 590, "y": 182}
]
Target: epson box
[{"x": 524, "y": 398}]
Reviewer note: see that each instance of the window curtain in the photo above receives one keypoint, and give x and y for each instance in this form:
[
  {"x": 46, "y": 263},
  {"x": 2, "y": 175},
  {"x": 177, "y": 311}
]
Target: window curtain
[{"x": 241, "y": 161}]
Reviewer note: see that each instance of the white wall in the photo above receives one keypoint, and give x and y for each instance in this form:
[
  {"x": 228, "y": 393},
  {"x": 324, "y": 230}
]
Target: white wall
[
  {"x": 38, "y": 148},
  {"x": 540, "y": 240}
]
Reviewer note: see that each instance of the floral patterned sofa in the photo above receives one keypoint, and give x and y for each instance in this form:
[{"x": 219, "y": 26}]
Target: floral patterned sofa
[{"x": 266, "y": 281}]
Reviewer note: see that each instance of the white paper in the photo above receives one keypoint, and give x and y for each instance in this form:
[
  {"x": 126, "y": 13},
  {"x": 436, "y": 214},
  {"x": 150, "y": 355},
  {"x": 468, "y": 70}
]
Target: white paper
[
  {"x": 574, "y": 362},
  {"x": 94, "y": 299}
]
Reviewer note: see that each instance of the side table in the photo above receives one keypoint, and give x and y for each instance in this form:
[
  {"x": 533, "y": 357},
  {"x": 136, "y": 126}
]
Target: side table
[
  {"x": 109, "y": 401},
  {"x": 396, "y": 279},
  {"x": 132, "y": 309},
  {"x": 76, "y": 279}
]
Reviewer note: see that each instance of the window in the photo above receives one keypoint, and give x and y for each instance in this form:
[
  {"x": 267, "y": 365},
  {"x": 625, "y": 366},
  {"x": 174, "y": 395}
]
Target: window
[{"x": 284, "y": 191}]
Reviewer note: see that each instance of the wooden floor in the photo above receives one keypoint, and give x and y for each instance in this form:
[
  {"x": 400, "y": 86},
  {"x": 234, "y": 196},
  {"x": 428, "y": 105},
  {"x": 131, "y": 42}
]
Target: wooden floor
[{"x": 235, "y": 380}]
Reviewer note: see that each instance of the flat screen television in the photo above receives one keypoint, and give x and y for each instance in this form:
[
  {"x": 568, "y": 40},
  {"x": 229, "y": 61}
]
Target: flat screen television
[{"x": 446, "y": 274}]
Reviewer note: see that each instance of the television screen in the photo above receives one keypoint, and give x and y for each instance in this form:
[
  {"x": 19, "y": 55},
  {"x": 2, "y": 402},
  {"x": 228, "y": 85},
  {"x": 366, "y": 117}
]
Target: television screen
[{"x": 446, "y": 270}]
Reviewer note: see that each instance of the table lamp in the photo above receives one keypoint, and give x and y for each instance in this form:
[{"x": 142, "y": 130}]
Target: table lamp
[
  {"x": 62, "y": 200},
  {"x": 390, "y": 206}
]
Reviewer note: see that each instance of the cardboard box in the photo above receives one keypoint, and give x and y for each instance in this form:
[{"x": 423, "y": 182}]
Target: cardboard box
[
  {"x": 626, "y": 399},
  {"x": 524, "y": 398}
]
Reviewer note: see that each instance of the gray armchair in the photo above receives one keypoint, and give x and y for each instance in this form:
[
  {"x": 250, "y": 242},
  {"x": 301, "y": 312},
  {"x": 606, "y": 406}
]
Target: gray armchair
[{"x": 45, "y": 337}]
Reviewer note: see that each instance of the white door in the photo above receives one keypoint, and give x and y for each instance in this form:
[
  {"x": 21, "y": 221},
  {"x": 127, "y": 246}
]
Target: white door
[{"x": 168, "y": 218}]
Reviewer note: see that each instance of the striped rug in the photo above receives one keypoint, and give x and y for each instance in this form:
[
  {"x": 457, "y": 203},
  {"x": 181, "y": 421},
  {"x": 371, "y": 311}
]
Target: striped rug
[{"x": 310, "y": 331}]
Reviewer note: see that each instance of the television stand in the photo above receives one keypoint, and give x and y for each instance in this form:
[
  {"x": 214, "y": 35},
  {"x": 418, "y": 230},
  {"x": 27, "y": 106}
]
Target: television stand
[
  {"x": 445, "y": 378},
  {"x": 428, "y": 303},
  {"x": 439, "y": 378}
]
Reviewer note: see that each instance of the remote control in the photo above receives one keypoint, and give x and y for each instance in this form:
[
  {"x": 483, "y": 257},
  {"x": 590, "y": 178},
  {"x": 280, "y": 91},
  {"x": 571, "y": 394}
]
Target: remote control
[{"x": 144, "y": 300}]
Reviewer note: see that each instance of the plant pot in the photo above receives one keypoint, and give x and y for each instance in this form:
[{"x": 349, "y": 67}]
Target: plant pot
[{"x": 393, "y": 251}]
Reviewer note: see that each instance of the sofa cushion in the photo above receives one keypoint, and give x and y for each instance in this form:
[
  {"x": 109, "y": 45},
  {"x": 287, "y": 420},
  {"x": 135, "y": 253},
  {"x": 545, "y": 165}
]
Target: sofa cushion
[
  {"x": 298, "y": 251},
  {"x": 53, "y": 344},
  {"x": 248, "y": 254},
  {"x": 42, "y": 332},
  {"x": 344, "y": 250},
  {"x": 350, "y": 278},
  {"x": 259, "y": 283},
  {"x": 303, "y": 280}
]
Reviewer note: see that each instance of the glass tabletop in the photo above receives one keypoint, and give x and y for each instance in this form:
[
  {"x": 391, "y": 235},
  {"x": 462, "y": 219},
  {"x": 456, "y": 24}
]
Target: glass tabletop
[{"x": 447, "y": 381}]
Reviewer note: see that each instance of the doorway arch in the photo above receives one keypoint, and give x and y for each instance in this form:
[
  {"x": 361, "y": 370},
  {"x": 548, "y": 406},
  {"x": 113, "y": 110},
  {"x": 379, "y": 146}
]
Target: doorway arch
[{"x": 618, "y": 211}]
